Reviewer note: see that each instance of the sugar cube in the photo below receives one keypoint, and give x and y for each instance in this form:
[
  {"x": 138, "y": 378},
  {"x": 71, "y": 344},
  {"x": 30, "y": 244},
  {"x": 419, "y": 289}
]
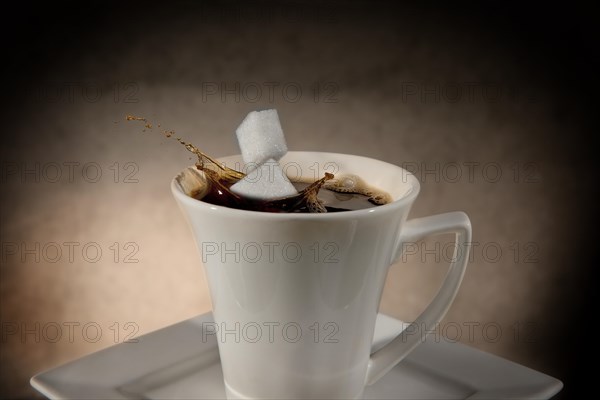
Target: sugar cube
[
  {"x": 260, "y": 137},
  {"x": 268, "y": 181}
]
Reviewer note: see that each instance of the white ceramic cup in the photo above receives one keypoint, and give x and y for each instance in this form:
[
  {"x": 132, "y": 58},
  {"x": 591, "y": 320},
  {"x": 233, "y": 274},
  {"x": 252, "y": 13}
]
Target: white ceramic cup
[{"x": 295, "y": 296}]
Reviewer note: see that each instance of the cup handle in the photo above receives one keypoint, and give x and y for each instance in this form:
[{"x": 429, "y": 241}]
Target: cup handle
[{"x": 384, "y": 359}]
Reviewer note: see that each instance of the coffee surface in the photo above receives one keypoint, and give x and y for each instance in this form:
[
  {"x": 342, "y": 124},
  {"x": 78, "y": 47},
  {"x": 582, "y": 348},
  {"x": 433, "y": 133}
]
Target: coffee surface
[{"x": 332, "y": 201}]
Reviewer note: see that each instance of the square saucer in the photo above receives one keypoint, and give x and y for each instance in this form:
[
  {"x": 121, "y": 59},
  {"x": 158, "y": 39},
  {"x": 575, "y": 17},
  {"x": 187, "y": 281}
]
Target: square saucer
[{"x": 172, "y": 363}]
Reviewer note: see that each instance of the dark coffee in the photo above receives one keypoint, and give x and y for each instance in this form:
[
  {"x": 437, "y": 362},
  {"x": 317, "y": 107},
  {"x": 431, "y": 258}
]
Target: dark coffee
[
  {"x": 347, "y": 193},
  {"x": 337, "y": 201},
  {"x": 330, "y": 200}
]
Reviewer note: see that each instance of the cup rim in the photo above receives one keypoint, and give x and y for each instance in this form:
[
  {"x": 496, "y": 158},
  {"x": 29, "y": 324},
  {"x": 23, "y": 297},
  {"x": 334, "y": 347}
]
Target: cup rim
[{"x": 392, "y": 207}]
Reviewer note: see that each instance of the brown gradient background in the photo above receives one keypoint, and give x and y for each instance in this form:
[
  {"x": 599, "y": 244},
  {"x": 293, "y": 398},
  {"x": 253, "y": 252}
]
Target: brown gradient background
[{"x": 369, "y": 55}]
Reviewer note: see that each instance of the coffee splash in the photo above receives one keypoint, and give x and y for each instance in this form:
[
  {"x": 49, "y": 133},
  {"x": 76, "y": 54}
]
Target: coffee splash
[
  {"x": 210, "y": 181},
  {"x": 353, "y": 184}
]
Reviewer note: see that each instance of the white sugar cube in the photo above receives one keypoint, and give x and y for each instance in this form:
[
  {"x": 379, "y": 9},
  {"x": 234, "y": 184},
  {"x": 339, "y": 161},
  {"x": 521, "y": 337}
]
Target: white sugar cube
[
  {"x": 265, "y": 182},
  {"x": 260, "y": 137}
]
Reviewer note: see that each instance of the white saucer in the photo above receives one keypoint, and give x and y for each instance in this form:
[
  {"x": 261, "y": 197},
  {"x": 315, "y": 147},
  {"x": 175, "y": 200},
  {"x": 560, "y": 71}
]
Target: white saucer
[{"x": 172, "y": 363}]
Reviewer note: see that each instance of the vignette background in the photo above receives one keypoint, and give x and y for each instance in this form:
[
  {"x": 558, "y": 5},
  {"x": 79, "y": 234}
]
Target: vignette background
[{"x": 426, "y": 87}]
